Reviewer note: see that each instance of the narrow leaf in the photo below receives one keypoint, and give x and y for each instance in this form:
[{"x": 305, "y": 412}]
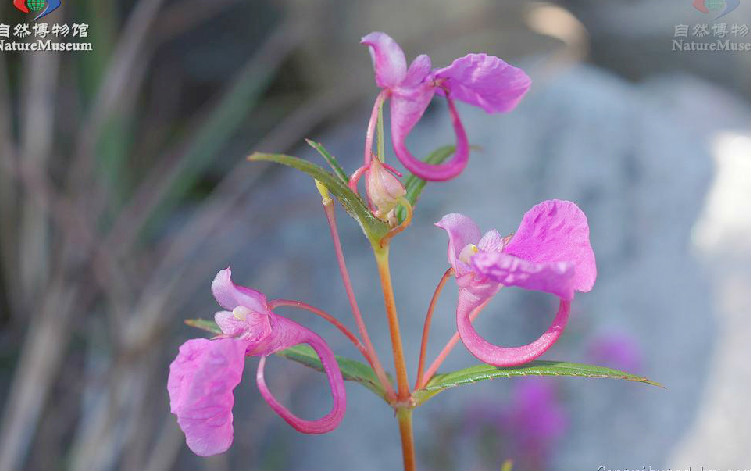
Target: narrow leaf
[
  {"x": 351, "y": 370},
  {"x": 414, "y": 184},
  {"x": 205, "y": 324},
  {"x": 373, "y": 227},
  {"x": 330, "y": 159},
  {"x": 474, "y": 374}
]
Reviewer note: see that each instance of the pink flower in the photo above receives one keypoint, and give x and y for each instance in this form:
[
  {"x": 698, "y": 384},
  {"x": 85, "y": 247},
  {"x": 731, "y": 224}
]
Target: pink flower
[
  {"x": 534, "y": 421},
  {"x": 526, "y": 428},
  {"x": 550, "y": 252},
  {"x": 205, "y": 373},
  {"x": 477, "y": 79}
]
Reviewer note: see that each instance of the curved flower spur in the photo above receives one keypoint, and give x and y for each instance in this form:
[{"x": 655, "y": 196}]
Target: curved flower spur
[
  {"x": 477, "y": 79},
  {"x": 205, "y": 373},
  {"x": 550, "y": 252}
]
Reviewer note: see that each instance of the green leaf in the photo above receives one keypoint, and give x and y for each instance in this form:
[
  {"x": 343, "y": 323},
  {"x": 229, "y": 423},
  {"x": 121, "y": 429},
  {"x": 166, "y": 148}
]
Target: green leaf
[
  {"x": 205, "y": 324},
  {"x": 414, "y": 184},
  {"x": 351, "y": 370},
  {"x": 474, "y": 374},
  {"x": 373, "y": 227},
  {"x": 333, "y": 163}
]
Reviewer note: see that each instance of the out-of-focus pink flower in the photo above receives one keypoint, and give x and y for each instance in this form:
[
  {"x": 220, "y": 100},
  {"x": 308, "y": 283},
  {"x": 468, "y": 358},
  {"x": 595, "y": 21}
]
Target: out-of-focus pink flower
[
  {"x": 527, "y": 426},
  {"x": 550, "y": 252},
  {"x": 535, "y": 413},
  {"x": 616, "y": 350},
  {"x": 534, "y": 420},
  {"x": 205, "y": 373},
  {"x": 477, "y": 79}
]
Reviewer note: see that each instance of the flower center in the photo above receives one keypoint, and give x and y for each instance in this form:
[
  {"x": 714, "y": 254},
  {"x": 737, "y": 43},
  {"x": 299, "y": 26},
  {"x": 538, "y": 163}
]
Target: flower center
[
  {"x": 467, "y": 252},
  {"x": 241, "y": 313}
]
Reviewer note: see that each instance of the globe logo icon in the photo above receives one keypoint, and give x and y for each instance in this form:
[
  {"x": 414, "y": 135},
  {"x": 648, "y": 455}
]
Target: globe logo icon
[
  {"x": 40, "y": 8},
  {"x": 712, "y": 5},
  {"x": 707, "y": 6},
  {"x": 35, "y": 5}
]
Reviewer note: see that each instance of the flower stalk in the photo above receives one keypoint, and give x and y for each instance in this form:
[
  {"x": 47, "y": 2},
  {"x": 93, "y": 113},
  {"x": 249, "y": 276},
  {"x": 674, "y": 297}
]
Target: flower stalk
[
  {"x": 426, "y": 327},
  {"x": 370, "y": 354}
]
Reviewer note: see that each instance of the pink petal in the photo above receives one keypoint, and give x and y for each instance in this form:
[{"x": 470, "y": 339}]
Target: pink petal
[
  {"x": 388, "y": 59},
  {"x": 485, "y": 81},
  {"x": 230, "y": 295},
  {"x": 331, "y": 420},
  {"x": 556, "y": 231},
  {"x": 555, "y": 278},
  {"x": 201, "y": 383},
  {"x": 462, "y": 231},
  {"x": 492, "y": 241},
  {"x": 407, "y": 107},
  {"x": 418, "y": 70},
  {"x": 230, "y": 325},
  {"x": 254, "y": 327},
  {"x": 504, "y": 356}
]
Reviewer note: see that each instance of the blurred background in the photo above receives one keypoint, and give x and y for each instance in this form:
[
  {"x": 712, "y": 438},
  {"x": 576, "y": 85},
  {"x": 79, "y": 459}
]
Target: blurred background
[{"x": 124, "y": 189}]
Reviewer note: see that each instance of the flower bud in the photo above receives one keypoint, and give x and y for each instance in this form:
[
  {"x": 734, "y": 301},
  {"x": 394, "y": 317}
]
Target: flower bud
[{"x": 383, "y": 188}]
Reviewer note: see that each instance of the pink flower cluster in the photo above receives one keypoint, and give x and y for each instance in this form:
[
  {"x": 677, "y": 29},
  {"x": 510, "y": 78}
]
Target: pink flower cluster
[{"x": 549, "y": 252}]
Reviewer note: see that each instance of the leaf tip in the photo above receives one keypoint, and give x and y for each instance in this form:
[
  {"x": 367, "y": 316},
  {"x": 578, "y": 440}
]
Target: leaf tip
[{"x": 653, "y": 383}]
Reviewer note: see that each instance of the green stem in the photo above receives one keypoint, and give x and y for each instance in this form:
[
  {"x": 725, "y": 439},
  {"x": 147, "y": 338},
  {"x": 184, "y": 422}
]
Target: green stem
[
  {"x": 380, "y": 144},
  {"x": 404, "y": 416},
  {"x": 402, "y": 380}
]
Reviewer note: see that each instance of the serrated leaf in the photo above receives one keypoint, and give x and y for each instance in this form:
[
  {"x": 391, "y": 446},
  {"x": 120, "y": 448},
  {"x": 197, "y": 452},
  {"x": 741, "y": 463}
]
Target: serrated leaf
[
  {"x": 374, "y": 228},
  {"x": 474, "y": 374},
  {"x": 414, "y": 184},
  {"x": 351, "y": 370},
  {"x": 330, "y": 159}
]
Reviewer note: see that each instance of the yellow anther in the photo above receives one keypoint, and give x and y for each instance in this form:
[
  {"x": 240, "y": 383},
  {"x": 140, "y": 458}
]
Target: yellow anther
[
  {"x": 467, "y": 252},
  {"x": 241, "y": 313}
]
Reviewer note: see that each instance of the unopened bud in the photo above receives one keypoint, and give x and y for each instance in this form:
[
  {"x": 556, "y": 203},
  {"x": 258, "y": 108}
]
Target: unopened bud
[{"x": 384, "y": 189}]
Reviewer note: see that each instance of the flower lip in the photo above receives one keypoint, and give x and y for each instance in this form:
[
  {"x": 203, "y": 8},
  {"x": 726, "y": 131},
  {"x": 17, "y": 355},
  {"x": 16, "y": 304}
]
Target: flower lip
[{"x": 201, "y": 383}]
